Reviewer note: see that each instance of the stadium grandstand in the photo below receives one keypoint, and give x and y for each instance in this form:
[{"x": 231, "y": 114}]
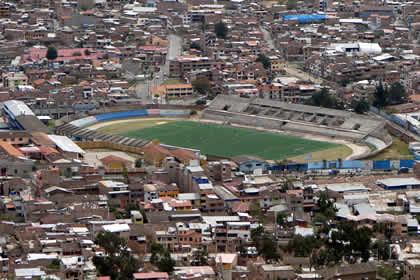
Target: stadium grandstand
[
  {"x": 278, "y": 115},
  {"x": 19, "y": 116}
]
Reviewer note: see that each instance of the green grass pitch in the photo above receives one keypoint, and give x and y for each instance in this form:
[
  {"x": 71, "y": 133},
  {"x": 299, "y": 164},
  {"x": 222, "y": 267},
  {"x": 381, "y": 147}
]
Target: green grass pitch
[{"x": 225, "y": 141}]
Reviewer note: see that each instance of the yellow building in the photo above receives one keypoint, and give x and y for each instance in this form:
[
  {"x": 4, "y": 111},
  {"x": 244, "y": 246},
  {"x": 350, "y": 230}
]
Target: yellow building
[
  {"x": 137, "y": 217},
  {"x": 277, "y": 64},
  {"x": 172, "y": 91}
]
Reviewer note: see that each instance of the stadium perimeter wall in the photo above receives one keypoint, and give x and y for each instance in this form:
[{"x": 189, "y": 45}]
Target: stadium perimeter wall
[{"x": 88, "y": 121}]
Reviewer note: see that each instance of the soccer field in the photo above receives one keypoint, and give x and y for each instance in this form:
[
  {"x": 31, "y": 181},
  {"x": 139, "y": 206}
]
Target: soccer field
[{"x": 225, "y": 141}]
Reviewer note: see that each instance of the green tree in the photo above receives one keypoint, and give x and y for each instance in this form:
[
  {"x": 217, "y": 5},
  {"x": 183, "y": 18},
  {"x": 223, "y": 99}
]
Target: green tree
[
  {"x": 256, "y": 233},
  {"x": 264, "y": 60},
  {"x": 303, "y": 246},
  {"x": 52, "y": 53},
  {"x": 265, "y": 244},
  {"x": 384, "y": 228},
  {"x": 323, "y": 98},
  {"x": 221, "y": 30},
  {"x": 54, "y": 265},
  {"x": 326, "y": 206},
  {"x": 87, "y": 52},
  {"x": 117, "y": 263},
  {"x": 396, "y": 94},
  {"x": 202, "y": 86},
  {"x": 194, "y": 45},
  {"x": 360, "y": 106},
  {"x": 256, "y": 211},
  {"x": 382, "y": 249},
  {"x": 380, "y": 96},
  {"x": 281, "y": 218},
  {"x": 139, "y": 163},
  {"x": 125, "y": 173},
  {"x": 200, "y": 258},
  {"x": 162, "y": 258},
  {"x": 389, "y": 273}
]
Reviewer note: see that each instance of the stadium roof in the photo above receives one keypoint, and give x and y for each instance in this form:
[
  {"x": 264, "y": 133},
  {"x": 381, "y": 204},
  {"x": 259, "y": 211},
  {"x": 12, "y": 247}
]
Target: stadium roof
[
  {"x": 65, "y": 144},
  {"x": 18, "y": 108}
]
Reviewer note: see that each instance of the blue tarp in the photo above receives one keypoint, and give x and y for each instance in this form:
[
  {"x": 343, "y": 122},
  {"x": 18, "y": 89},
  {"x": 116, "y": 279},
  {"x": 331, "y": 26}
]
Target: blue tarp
[
  {"x": 407, "y": 163},
  {"x": 306, "y": 18}
]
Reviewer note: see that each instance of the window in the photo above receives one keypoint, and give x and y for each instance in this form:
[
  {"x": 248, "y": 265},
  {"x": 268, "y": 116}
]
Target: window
[
  {"x": 16, "y": 171},
  {"x": 20, "y": 139}
]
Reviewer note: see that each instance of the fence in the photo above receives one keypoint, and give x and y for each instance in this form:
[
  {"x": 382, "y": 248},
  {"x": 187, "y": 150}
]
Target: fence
[
  {"x": 87, "y": 121},
  {"x": 346, "y": 164},
  {"x": 109, "y": 145},
  {"x": 401, "y": 122}
]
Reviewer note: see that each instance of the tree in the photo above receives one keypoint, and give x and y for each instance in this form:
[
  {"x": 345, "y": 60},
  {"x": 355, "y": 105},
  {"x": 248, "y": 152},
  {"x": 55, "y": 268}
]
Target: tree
[
  {"x": 264, "y": 60},
  {"x": 138, "y": 163},
  {"x": 52, "y": 53},
  {"x": 303, "y": 246},
  {"x": 382, "y": 249},
  {"x": 221, "y": 30},
  {"x": 256, "y": 211},
  {"x": 396, "y": 94},
  {"x": 380, "y": 96},
  {"x": 323, "y": 98},
  {"x": 326, "y": 206},
  {"x": 87, "y": 52},
  {"x": 384, "y": 228},
  {"x": 162, "y": 258},
  {"x": 194, "y": 45},
  {"x": 125, "y": 173},
  {"x": 265, "y": 243},
  {"x": 202, "y": 86},
  {"x": 360, "y": 106},
  {"x": 117, "y": 263},
  {"x": 281, "y": 218},
  {"x": 200, "y": 258}
]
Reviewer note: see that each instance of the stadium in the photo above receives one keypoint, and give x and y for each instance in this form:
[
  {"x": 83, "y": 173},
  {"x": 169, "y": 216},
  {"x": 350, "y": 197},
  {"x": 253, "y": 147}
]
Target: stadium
[{"x": 230, "y": 126}]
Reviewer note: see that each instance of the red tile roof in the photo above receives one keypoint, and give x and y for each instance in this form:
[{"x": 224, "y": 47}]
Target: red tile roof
[{"x": 151, "y": 275}]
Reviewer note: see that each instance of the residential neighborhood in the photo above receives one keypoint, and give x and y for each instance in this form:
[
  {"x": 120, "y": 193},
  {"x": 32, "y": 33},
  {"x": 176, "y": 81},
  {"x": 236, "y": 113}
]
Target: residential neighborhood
[{"x": 206, "y": 139}]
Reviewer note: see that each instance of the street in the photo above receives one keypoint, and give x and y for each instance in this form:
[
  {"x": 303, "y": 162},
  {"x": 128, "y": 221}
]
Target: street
[
  {"x": 143, "y": 89},
  {"x": 290, "y": 70}
]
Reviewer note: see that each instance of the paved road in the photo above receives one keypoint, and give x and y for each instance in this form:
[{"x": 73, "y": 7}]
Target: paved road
[
  {"x": 289, "y": 69},
  {"x": 174, "y": 50},
  {"x": 267, "y": 38}
]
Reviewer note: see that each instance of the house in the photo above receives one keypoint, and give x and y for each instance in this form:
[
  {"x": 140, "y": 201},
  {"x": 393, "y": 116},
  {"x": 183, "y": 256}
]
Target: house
[
  {"x": 151, "y": 276},
  {"x": 249, "y": 163},
  {"x": 412, "y": 268},
  {"x": 172, "y": 91},
  {"x": 351, "y": 271},
  {"x": 274, "y": 272},
  {"x": 229, "y": 261},
  {"x": 13, "y": 79},
  {"x": 154, "y": 154},
  {"x": 113, "y": 161}
]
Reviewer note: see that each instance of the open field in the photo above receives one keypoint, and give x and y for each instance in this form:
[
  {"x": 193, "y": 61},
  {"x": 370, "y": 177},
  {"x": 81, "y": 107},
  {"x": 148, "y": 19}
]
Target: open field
[
  {"x": 219, "y": 140},
  {"x": 334, "y": 153},
  {"x": 398, "y": 150},
  {"x": 172, "y": 82},
  {"x": 125, "y": 126}
]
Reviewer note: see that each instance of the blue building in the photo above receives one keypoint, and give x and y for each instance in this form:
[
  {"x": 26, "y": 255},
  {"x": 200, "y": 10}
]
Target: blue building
[{"x": 249, "y": 163}]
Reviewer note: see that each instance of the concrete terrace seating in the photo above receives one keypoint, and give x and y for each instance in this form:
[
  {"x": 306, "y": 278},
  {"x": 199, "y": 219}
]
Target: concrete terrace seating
[{"x": 297, "y": 117}]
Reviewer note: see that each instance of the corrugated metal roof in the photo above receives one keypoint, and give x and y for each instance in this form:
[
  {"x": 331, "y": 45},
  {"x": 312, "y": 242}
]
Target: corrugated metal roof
[
  {"x": 65, "y": 144},
  {"x": 18, "y": 108}
]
